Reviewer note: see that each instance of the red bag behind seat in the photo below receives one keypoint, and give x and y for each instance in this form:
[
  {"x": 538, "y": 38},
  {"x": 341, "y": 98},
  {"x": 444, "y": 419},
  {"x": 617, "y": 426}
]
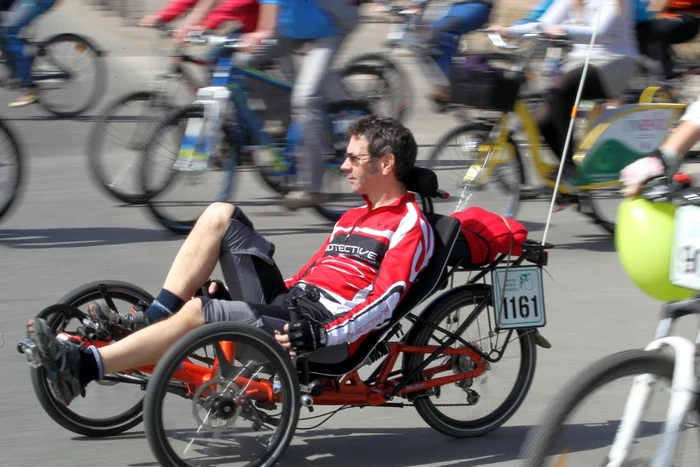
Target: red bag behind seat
[{"x": 489, "y": 234}]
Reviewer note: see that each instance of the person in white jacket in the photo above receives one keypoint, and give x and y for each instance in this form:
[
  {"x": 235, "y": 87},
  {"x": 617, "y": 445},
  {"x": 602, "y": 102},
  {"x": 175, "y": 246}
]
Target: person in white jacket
[{"x": 611, "y": 67}]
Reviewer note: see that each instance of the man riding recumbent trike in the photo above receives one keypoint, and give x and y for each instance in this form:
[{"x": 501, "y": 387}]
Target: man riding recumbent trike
[{"x": 228, "y": 349}]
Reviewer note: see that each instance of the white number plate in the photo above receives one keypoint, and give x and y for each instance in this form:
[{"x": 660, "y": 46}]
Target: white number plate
[
  {"x": 520, "y": 304},
  {"x": 685, "y": 261}
]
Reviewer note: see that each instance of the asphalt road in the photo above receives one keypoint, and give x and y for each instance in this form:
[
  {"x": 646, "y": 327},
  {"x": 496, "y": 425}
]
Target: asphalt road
[{"x": 65, "y": 233}]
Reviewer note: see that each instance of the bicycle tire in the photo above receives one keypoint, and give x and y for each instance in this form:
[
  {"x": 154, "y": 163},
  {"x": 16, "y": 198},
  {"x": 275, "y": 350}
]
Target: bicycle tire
[
  {"x": 100, "y": 76},
  {"x": 61, "y": 414},
  {"x": 181, "y": 227},
  {"x": 596, "y": 213},
  {"x": 222, "y": 331},
  {"x": 16, "y": 185},
  {"x": 400, "y": 80},
  {"x": 541, "y": 438},
  {"x": 483, "y": 129},
  {"x": 435, "y": 314},
  {"x": 397, "y": 109},
  {"x": 96, "y": 142}
]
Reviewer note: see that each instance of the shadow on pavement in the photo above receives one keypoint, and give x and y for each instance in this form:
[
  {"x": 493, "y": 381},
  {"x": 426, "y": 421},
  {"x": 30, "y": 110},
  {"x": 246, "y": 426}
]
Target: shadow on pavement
[
  {"x": 410, "y": 446},
  {"x": 80, "y": 237},
  {"x": 603, "y": 243},
  {"x": 532, "y": 226}
]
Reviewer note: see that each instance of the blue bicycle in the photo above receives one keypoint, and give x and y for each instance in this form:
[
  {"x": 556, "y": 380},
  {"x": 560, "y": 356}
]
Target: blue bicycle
[{"x": 240, "y": 122}]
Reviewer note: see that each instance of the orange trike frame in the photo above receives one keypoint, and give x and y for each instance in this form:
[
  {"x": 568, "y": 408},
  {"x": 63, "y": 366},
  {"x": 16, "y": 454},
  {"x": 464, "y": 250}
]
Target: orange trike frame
[{"x": 349, "y": 390}]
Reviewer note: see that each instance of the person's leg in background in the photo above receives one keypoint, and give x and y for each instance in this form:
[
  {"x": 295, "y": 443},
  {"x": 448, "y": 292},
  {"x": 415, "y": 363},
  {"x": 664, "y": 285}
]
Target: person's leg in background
[
  {"x": 554, "y": 116},
  {"x": 644, "y": 34},
  {"x": 670, "y": 31},
  {"x": 459, "y": 19},
  {"x": 308, "y": 105},
  {"x": 21, "y": 15}
]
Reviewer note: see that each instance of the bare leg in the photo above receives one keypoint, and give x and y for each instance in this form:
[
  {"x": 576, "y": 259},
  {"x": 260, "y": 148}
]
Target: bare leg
[
  {"x": 146, "y": 346},
  {"x": 197, "y": 257}
]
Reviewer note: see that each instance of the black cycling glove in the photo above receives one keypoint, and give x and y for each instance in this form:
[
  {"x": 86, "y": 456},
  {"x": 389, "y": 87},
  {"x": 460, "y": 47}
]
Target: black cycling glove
[{"x": 307, "y": 336}]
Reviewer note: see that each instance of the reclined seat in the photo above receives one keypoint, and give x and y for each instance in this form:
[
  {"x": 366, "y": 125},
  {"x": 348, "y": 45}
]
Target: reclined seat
[{"x": 334, "y": 360}]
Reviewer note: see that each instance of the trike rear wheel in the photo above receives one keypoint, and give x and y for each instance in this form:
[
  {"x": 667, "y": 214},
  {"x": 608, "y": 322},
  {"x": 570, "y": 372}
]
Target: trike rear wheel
[
  {"x": 445, "y": 313},
  {"x": 259, "y": 377},
  {"x": 68, "y": 417}
]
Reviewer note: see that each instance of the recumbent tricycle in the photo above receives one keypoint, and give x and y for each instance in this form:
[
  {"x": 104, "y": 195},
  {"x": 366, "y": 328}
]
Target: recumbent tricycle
[{"x": 238, "y": 375}]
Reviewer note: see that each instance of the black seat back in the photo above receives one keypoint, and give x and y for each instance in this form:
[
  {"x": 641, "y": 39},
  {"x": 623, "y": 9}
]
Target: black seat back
[
  {"x": 422, "y": 181},
  {"x": 446, "y": 230}
]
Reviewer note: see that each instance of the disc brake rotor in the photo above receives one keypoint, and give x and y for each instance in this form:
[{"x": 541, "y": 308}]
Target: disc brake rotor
[{"x": 215, "y": 404}]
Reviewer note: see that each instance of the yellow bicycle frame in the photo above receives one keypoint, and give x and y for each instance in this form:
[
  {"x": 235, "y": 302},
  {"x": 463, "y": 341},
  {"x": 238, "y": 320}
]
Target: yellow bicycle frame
[{"x": 496, "y": 148}]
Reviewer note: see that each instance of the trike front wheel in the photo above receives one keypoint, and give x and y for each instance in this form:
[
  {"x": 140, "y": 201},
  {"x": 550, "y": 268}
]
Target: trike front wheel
[
  {"x": 233, "y": 378},
  {"x": 101, "y": 398},
  {"x": 492, "y": 363}
]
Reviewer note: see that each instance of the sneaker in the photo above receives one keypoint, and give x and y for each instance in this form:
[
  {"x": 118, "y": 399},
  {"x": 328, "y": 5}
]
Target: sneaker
[
  {"x": 29, "y": 98},
  {"x": 303, "y": 199},
  {"x": 134, "y": 320},
  {"x": 61, "y": 361}
]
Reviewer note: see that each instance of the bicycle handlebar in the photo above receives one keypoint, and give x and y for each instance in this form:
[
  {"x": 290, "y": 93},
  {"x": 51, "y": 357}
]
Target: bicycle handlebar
[
  {"x": 204, "y": 38},
  {"x": 539, "y": 35},
  {"x": 678, "y": 189}
]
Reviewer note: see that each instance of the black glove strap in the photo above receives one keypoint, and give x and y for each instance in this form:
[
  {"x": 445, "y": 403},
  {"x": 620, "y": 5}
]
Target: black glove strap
[
  {"x": 657, "y": 154},
  {"x": 306, "y": 336}
]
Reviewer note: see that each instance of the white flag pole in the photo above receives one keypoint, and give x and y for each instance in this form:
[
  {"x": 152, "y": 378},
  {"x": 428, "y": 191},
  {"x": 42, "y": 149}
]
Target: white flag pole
[{"x": 574, "y": 112}]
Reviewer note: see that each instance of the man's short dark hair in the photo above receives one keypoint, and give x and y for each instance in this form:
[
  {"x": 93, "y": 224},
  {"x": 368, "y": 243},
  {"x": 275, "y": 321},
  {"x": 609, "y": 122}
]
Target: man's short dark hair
[{"x": 384, "y": 136}]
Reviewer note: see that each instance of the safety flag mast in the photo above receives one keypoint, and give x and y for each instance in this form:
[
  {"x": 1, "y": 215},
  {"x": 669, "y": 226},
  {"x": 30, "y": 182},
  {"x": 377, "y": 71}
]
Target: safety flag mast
[{"x": 574, "y": 112}]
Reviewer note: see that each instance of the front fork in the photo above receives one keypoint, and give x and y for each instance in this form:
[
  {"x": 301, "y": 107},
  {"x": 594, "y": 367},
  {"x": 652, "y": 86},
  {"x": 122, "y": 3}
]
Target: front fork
[{"x": 684, "y": 391}]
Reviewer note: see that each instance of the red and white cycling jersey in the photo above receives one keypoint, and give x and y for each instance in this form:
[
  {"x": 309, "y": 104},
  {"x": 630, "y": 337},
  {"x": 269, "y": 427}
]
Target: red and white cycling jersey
[{"x": 367, "y": 265}]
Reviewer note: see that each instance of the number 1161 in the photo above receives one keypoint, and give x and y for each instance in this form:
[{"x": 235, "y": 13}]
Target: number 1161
[{"x": 520, "y": 307}]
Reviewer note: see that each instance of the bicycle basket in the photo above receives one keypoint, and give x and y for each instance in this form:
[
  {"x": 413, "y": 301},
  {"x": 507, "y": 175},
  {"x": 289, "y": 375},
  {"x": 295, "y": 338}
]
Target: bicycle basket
[
  {"x": 644, "y": 235},
  {"x": 480, "y": 81}
]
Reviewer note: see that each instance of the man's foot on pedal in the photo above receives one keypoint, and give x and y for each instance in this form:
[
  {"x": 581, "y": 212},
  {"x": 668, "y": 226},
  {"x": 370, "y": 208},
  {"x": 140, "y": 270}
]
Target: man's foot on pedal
[
  {"x": 134, "y": 320},
  {"x": 27, "y": 99},
  {"x": 303, "y": 199},
  {"x": 60, "y": 359}
]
